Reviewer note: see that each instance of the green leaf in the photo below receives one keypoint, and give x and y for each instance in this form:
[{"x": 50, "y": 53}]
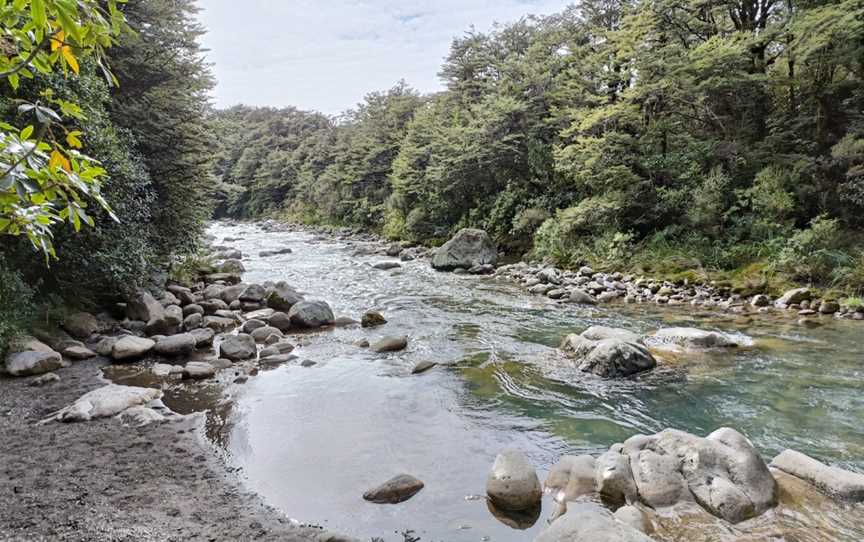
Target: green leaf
[{"x": 37, "y": 11}]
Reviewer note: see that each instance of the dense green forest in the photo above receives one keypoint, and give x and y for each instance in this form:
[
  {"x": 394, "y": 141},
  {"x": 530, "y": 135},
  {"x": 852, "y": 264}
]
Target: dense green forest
[
  {"x": 707, "y": 139},
  {"x": 135, "y": 101}
]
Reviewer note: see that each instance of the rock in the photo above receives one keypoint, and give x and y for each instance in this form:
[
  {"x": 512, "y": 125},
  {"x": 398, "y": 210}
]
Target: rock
[
  {"x": 390, "y": 344},
  {"x": 230, "y": 294},
  {"x": 829, "y": 307},
  {"x": 614, "y": 358},
  {"x": 386, "y": 266},
  {"x": 279, "y": 359},
  {"x": 658, "y": 479},
  {"x": 163, "y": 370},
  {"x": 422, "y": 367},
  {"x": 834, "y": 481},
  {"x": 145, "y": 308},
  {"x": 175, "y": 345},
  {"x": 599, "y": 333},
  {"x": 760, "y": 300},
  {"x": 199, "y": 370},
  {"x": 219, "y": 324},
  {"x": 221, "y": 364},
  {"x": 227, "y": 278},
  {"x": 277, "y": 252},
  {"x": 513, "y": 484},
  {"x": 397, "y": 489},
  {"x": 131, "y": 347},
  {"x": 311, "y": 314},
  {"x": 549, "y": 275},
  {"x": 254, "y": 293},
  {"x": 635, "y": 518},
  {"x": 193, "y": 321},
  {"x": 104, "y": 402},
  {"x": 394, "y": 250},
  {"x": 373, "y": 319},
  {"x": 590, "y": 522},
  {"x": 260, "y": 314},
  {"x": 140, "y": 416},
  {"x": 793, "y": 297},
  {"x": 484, "y": 269},
  {"x": 78, "y": 352},
  {"x": 280, "y": 321},
  {"x": 688, "y": 337},
  {"x": 283, "y": 297},
  {"x": 173, "y": 316},
  {"x": 213, "y": 291},
  {"x": 345, "y": 321},
  {"x": 238, "y": 347},
  {"x": 466, "y": 249},
  {"x": 169, "y": 299},
  {"x": 81, "y": 324},
  {"x": 31, "y": 362},
  {"x": 105, "y": 346},
  {"x": 44, "y": 380},
  {"x": 231, "y": 266},
  {"x": 212, "y": 306},
  {"x": 571, "y": 478},
  {"x": 193, "y": 308},
  {"x": 27, "y": 343},
  {"x": 251, "y": 325},
  {"x": 614, "y": 478},
  {"x": 263, "y": 333},
  {"x": 361, "y": 343},
  {"x": 183, "y": 294}
]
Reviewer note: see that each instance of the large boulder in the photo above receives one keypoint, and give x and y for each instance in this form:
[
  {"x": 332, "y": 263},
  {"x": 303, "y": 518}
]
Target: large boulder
[
  {"x": 513, "y": 484},
  {"x": 794, "y": 297},
  {"x": 590, "y": 522},
  {"x": 466, "y": 249},
  {"x": 32, "y": 362},
  {"x": 131, "y": 347},
  {"x": 834, "y": 481},
  {"x": 722, "y": 472},
  {"x": 283, "y": 296},
  {"x": 81, "y": 325},
  {"x": 609, "y": 358},
  {"x": 238, "y": 347},
  {"x": 311, "y": 314},
  {"x": 104, "y": 402},
  {"x": 146, "y": 308},
  {"x": 691, "y": 338}
]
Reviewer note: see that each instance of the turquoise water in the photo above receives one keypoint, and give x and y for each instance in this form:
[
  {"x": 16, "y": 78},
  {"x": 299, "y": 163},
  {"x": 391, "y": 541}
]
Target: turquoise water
[{"x": 312, "y": 440}]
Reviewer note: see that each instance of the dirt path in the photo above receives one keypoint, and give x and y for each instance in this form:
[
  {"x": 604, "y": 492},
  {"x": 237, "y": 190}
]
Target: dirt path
[{"x": 103, "y": 481}]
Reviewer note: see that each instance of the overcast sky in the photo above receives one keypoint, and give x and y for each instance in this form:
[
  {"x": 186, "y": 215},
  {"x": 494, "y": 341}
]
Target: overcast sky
[{"x": 326, "y": 54}]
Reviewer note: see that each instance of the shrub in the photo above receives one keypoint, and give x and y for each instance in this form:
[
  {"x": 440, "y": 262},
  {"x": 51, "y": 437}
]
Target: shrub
[
  {"x": 815, "y": 253},
  {"x": 17, "y": 307}
]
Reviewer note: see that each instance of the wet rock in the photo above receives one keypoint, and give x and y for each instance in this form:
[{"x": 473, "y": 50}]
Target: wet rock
[
  {"x": 175, "y": 345},
  {"x": 254, "y": 293},
  {"x": 794, "y": 297},
  {"x": 422, "y": 367},
  {"x": 277, "y": 252},
  {"x": 221, "y": 363},
  {"x": 386, "y": 266},
  {"x": 199, "y": 370},
  {"x": 81, "y": 324},
  {"x": 571, "y": 478},
  {"x": 105, "y": 346},
  {"x": 373, "y": 319},
  {"x": 173, "y": 316},
  {"x": 836, "y": 482},
  {"x": 484, "y": 269},
  {"x": 131, "y": 347},
  {"x": 658, "y": 479},
  {"x": 513, "y": 484},
  {"x": 599, "y": 333},
  {"x": 687, "y": 337},
  {"x": 231, "y": 266},
  {"x": 468, "y": 248},
  {"x": 760, "y": 300},
  {"x": 345, "y": 321},
  {"x": 163, "y": 370},
  {"x": 44, "y": 380},
  {"x": 614, "y": 358},
  {"x": 263, "y": 334},
  {"x": 213, "y": 291},
  {"x": 397, "y": 489},
  {"x": 614, "y": 478},
  {"x": 31, "y": 362},
  {"x": 361, "y": 343},
  {"x": 277, "y": 349},
  {"x": 260, "y": 314},
  {"x": 230, "y": 294},
  {"x": 104, "y": 402},
  {"x": 283, "y": 297},
  {"x": 193, "y": 308},
  {"x": 635, "y": 518},
  {"x": 279, "y": 359},
  {"x": 238, "y": 347},
  {"x": 829, "y": 307},
  {"x": 311, "y": 314},
  {"x": 390, "y": 344}
]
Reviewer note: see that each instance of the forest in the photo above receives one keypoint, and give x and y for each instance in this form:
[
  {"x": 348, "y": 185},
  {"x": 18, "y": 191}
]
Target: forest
[{"x": 701, "y": 140}]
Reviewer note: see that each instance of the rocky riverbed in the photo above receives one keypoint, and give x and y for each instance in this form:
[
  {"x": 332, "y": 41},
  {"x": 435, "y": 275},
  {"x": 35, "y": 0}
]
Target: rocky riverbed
[{"x": 334, "y": 367}]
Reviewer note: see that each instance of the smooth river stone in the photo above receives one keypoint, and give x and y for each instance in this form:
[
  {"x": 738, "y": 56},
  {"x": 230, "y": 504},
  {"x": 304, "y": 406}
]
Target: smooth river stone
[{"x": 396, "y": 490}]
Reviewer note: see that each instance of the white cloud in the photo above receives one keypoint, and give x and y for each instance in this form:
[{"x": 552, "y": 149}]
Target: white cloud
[{"x": 326, "y": 55}]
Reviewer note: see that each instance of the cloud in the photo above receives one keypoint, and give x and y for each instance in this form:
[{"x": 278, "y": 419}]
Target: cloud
[{"x": 327, "y": 54}]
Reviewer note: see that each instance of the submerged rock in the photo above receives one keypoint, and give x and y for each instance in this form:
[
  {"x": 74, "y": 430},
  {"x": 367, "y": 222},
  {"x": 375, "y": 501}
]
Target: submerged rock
[
  {"x": 397, "y": 489},
  {"x": 422, "y": 367},
  {"x": 834, "y": 481},
  {"x": 468, "y": 248},
  {"x": 513, "y": 484},
  {"x": 104, "y": 402},
  {"x": 372, "y": 319},
  {"x": 609, "y": 352},
  {"x": 198, "y": 370},
  {"x": 688, "y": 337}
]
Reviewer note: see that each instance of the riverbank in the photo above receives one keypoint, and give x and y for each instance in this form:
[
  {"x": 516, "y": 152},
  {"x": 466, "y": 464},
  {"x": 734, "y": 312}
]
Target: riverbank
[{"x": 104, "y": 481}]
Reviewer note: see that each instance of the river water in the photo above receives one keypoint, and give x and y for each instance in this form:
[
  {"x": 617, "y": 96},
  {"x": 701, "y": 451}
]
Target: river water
[{"x": 312, "y": 440}]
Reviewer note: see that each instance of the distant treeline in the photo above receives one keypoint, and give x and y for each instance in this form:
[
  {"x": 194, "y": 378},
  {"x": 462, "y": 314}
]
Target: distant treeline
[{"x": 669, "y": 135}]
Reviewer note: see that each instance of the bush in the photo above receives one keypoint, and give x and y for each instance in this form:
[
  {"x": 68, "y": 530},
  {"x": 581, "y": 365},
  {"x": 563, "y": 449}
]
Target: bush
[
  {"x": 17, "y": 307},
  {"x": 815, "y": 253}
]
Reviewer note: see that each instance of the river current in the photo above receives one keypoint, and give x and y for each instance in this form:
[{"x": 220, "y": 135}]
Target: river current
[{"x": 311, "y": 440}]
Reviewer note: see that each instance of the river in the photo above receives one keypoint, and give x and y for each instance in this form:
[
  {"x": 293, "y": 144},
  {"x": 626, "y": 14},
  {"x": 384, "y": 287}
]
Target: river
[{"x": 311, "y": 440}]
